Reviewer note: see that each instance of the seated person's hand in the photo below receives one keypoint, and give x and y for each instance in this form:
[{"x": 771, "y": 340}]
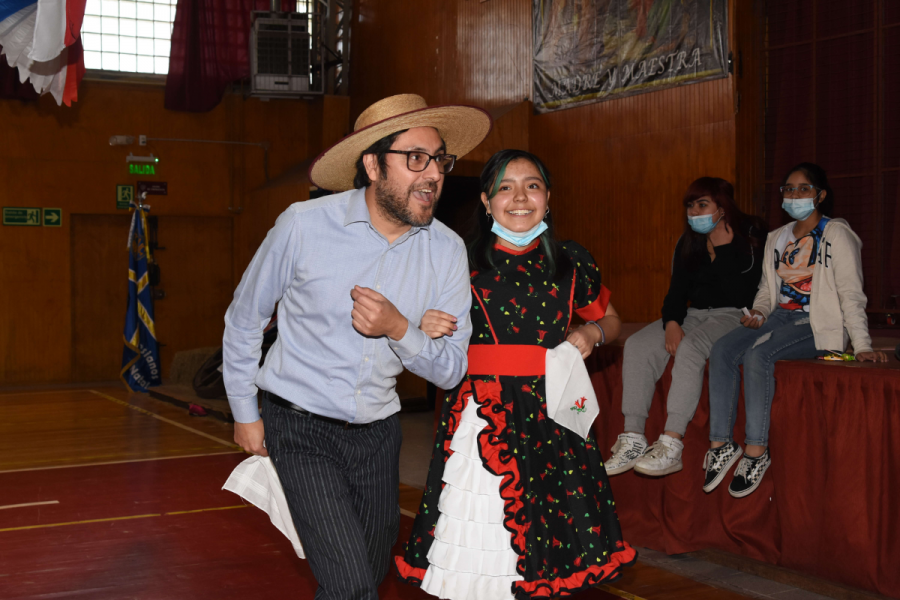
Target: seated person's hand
[
  {"x": 437, "y": 323},
  {"x": 674, "y": 335},
  {"x": 751, "y": 321},
  {"x": 876, "y": 356}
]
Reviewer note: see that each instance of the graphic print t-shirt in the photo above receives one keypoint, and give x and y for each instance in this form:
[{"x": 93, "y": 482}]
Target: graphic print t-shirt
[{"x": 795, "y": 261}]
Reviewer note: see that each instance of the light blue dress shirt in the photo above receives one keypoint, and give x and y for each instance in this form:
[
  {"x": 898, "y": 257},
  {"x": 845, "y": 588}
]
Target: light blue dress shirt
[{"x": 310, "y": 260}]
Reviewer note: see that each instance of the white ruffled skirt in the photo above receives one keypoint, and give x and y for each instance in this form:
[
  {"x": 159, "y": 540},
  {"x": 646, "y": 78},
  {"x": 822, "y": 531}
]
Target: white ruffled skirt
[{"x": 471, "y": 557}]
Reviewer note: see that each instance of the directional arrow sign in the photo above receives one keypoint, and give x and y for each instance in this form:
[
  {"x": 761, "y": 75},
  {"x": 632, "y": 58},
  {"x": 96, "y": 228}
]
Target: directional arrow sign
[
  {"x": 52, "y": 217},
  {"x": 22, "y": 216}
]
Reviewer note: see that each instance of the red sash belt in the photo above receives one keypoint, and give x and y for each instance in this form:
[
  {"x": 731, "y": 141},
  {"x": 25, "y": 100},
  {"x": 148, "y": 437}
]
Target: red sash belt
[{"x": 511, "y": 360}]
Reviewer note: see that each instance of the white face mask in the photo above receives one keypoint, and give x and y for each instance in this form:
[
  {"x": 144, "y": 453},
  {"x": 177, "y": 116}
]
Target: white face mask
[
  {"x": 516, "y": 238},
  {"x": 703, "y": 223},
  {"x": 799, "y": 208}
]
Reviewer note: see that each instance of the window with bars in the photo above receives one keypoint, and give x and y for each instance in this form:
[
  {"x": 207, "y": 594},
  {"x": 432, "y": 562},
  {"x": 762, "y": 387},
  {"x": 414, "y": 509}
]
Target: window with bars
[
  {"x": 134, "y": 36},
  {"x": 128, "y": 35},
  {"x": 832, "y": 80}
]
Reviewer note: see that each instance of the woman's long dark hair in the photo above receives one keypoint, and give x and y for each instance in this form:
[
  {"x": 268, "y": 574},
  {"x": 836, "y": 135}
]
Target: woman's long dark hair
[
  {"x": 480, "y": 241},
  {"x": 816, "y": 176},
  {"x": 749, "y": 228}
]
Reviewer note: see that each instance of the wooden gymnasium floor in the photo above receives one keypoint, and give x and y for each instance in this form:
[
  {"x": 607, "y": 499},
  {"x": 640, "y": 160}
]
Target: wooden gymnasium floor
[{"x": 111, "y": 495}]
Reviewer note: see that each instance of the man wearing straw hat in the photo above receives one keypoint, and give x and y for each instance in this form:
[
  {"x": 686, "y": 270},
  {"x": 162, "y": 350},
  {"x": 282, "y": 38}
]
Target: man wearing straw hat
[{"x": 352, "y": 275}]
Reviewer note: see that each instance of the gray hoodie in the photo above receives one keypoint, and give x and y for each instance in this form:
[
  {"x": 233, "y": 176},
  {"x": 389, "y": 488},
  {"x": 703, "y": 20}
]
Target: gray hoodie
[{"x": 837, "y": 304}]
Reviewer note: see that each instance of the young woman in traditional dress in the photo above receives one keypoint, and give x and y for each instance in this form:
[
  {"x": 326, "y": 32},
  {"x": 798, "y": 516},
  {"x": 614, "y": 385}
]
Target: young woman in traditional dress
[{"x": 517, "y": 505}]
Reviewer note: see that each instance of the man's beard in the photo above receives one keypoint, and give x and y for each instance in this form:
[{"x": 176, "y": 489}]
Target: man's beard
[{"x": 396, "y": 208}]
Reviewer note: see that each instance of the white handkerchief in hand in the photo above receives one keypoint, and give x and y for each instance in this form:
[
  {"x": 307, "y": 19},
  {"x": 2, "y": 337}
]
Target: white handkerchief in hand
[
  {"x": 571, "y": 400},
  {"x": 256, "y": 481}
]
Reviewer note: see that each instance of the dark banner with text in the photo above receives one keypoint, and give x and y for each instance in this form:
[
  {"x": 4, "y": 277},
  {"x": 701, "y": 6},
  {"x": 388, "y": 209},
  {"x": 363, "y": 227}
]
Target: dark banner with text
[{"x": 593, "y": 50}]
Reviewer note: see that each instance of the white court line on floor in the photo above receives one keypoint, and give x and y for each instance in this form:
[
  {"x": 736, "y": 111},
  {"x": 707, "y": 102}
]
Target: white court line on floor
[
  {"x": 144, "y": 411},
  {"x": 27, "y": 504},
  {"x": 118, "y": 462}
]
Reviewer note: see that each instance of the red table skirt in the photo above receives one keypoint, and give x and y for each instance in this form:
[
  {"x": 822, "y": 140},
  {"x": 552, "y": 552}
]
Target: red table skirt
[{"x": 829, "y": 504}]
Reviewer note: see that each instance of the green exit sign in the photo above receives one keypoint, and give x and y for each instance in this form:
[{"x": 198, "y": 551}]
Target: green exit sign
[{"x": 139, "y": 169}]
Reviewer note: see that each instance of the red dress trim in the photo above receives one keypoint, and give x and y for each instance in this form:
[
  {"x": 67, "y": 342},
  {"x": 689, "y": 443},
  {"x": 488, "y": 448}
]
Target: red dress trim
[
  {"x": 577, "y": 582},
  {"x": 477, "y": 297},
  {"x": 520, "y": 251},
  {"x": 408, "y": 573},
  {"x": 596, "y": 310}
]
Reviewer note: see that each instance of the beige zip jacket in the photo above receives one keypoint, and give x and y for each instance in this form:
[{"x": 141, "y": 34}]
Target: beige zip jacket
[{"x": 837, "y": 304}]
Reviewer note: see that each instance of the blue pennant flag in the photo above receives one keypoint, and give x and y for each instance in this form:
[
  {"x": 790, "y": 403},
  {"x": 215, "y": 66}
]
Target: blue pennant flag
[{"x": 140, "y": 358}]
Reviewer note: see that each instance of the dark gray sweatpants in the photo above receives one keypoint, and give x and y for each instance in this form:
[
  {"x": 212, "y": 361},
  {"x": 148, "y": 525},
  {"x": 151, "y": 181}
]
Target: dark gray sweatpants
[{"x": 342, "y": 486}]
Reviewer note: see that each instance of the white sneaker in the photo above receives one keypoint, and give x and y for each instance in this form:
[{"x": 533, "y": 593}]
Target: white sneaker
[
  {"x": 627, "y": 450},
  {"x": 664, "y": 457}
]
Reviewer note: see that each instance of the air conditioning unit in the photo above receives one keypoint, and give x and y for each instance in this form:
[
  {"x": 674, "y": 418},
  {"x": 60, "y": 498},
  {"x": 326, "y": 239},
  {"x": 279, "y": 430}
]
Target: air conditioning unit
[{"x": 280, "y": 55}]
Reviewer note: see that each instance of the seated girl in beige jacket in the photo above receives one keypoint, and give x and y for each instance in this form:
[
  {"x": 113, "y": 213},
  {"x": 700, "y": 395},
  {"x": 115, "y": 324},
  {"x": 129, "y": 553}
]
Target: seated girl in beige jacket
[{"x": 810, "y": 302}]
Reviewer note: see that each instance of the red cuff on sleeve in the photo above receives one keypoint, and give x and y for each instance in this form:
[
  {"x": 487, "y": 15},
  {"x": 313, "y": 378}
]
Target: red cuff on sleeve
[{"x": 596, "y": 310}]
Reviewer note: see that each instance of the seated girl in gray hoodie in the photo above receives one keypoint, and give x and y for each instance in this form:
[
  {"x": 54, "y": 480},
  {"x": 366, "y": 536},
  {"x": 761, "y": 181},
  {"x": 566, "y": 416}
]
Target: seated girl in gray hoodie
[{"x": 810, "y": 301}]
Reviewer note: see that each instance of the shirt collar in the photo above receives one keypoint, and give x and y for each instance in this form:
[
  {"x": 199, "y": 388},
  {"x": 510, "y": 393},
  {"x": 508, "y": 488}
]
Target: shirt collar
[{"x": 358, "y": 212}]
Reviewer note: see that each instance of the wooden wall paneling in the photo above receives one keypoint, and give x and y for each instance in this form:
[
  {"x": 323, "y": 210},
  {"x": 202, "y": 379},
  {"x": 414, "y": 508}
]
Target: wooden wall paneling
[
  {"x": 494, "y": 52},
  {"x": 620, "y": 170},
  {"x": 397, "y": 48},
  {"x": 749, "y": 80},
  {"x": 99, "y": 292},
  {"x": 61, "y": 157},
  {"x": 455, "y": 51},
  {"x": 34, "y": 299},
  {"x": 327, "y": 120},
  {"x": 196, "y": 276}
]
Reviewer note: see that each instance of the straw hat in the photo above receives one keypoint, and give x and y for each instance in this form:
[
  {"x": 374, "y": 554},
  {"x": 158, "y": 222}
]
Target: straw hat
[{"x": 462, "y": 127}]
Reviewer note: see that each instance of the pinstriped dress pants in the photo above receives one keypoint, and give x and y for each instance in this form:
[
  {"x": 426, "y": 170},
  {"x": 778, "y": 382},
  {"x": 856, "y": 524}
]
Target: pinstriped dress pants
[{"x": 342, "y": 486}]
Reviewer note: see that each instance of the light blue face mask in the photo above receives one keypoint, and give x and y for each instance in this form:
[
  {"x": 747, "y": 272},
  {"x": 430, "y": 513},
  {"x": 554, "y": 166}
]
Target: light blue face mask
[
  {"x": 703, "y": 223},
  {"x": 799, "y": 208},
  {"x": 520, "y": 239}
]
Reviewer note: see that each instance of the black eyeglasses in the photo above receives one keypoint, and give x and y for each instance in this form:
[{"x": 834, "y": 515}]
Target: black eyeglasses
[{"x": 418, "y": 161}]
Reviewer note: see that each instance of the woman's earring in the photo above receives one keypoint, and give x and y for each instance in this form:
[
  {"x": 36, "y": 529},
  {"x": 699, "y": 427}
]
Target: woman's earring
[
  {"x": 489, "y": 216},
  {"x": 547, "y": 212}
]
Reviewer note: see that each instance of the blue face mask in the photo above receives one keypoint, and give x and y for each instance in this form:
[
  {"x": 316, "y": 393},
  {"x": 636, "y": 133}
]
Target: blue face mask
[
  {"x": 703, "y": 223},
  {"x": 799, "y": 208},
  {"x": 516, "y": 238}
]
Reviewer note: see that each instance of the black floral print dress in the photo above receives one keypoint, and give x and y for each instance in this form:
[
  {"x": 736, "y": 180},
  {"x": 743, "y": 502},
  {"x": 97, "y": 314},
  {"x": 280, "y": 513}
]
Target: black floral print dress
[{"x": 516, "y": 506}]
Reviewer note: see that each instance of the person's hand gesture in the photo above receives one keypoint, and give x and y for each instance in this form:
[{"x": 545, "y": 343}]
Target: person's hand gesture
[
  {"x": 374, "y": 315},
  {"x": 436, "y": 323},
  {"x": 754, "y": 320}
]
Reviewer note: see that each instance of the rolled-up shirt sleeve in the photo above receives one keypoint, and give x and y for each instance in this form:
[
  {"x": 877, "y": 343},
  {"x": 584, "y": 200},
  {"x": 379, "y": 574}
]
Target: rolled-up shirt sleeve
[
  {"x": 265, "y": 281},
  {"x": 442, "y": 361}
]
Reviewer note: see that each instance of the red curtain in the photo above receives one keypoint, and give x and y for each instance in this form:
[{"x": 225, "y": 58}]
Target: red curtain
[
  {"x": 827, "y": 506},
  {"x": 210, "y": 50}
]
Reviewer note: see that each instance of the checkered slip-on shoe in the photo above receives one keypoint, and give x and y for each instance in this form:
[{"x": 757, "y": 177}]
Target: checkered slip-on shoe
[
  {"x": 718, "y": 462},
  {"x": 748, "y": 474}
]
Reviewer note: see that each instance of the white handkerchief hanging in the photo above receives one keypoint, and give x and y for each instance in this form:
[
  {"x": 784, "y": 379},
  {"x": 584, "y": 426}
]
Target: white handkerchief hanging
[
  {"x": 571, "y": 400},
  {"x": 256, "y": 481}
]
